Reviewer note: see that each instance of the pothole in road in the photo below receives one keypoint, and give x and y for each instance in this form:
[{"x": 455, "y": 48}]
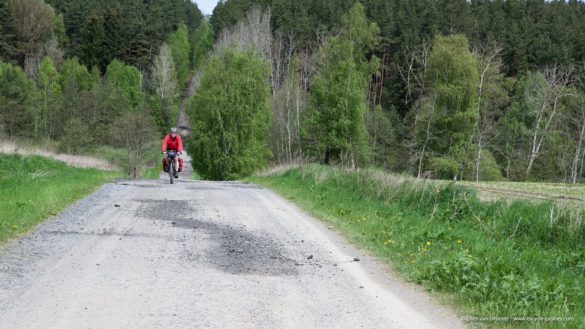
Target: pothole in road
[
  {"x": 238, "y": 251},
  {"x": 232, "y": 250},
  {"x": 166, "y": 210}
]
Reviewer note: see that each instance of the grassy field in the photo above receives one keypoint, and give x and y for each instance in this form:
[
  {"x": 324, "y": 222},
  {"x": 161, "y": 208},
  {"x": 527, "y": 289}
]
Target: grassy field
[
  {"x": 33, "y": 188},
  {"x": 491, "y": 259},
  {"x": 558, "y": 192}
]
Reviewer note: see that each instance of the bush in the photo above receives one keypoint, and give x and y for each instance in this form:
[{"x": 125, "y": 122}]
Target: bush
[
  {"x": 444, "y": 168},
  {"x": 77, "y": 137},
  {"x": 488, "y": 168},
  {"x": 230, "y": 133}
]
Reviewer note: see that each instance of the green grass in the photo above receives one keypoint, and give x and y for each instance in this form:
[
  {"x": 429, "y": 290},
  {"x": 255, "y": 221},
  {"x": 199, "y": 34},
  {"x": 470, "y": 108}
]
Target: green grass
[
  {"x": 152, "y": 172},
  {"x": 153, "y": 165},
  {"x": 501, "y": 259},
  {"x": 116, "y": 156},
  {"x": 32, "y": 188}
]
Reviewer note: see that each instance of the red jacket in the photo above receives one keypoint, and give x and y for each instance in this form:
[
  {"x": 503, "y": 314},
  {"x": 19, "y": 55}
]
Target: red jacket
[{"x": 172, "y": 144}]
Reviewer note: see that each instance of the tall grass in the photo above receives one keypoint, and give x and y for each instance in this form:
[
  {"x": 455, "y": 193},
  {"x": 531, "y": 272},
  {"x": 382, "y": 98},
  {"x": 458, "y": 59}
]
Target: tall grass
[
  {"x": 498, "y": 259},
  {"x": 153, "y": 165},
  {"x": 81, "y": 161},
  {"x": 33, "y": 188}
]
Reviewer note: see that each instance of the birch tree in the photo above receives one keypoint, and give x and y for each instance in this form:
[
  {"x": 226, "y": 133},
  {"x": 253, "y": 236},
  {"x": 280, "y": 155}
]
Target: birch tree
[
  {"x": 164, "y": 78},
  {"x": 452, "y": 79},
  {"x": 542, "y": 97},
  {"x": 339, "y": 91},
  {"x": 164, "y": 75},
  {"x": 491, "y": 97},
  {"x": 50, "y": 93},
  {"x": 577, "y": 118},
  {"x": 413, "y": 73},
  {"x": 230, "y": 113}
]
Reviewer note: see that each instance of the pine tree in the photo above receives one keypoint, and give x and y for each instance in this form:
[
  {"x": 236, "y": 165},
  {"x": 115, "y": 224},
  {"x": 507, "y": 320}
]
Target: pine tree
[{"x": 7, "y": 42}]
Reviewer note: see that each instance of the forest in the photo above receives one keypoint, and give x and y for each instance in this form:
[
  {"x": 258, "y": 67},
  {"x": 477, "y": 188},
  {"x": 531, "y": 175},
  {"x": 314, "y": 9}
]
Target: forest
[
  {"x": 474, "y": 90},
  {"x": 95, "y": 76},
  {"x": 450, "y": 89}
]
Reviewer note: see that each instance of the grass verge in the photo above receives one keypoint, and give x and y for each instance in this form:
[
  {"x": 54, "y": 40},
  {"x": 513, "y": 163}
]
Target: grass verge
[
  {"x": 33, "y": 188},
  {"x": 520, "y": 261}
]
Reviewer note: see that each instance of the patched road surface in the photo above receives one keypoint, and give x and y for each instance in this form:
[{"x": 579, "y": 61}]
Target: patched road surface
[{"x": 147, "y": 254}]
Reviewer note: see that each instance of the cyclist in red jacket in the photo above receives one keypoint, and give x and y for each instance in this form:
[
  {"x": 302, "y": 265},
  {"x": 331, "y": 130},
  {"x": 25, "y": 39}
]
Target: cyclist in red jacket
[{"x": 172, "y": 142}]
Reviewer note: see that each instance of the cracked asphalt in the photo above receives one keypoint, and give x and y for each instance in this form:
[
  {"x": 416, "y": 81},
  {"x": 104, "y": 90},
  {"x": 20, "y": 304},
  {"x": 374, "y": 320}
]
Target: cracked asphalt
[{"x": 196, "y": 254}]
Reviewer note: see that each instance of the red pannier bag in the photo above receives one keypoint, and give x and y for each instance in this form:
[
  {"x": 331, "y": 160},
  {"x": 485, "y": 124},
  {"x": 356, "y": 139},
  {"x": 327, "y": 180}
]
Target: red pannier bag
[{"x": 164, "y": 166}]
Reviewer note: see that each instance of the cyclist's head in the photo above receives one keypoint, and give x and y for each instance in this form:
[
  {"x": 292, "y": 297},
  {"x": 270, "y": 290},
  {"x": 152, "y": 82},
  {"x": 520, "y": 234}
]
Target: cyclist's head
[{"x": 173, "y": 131}]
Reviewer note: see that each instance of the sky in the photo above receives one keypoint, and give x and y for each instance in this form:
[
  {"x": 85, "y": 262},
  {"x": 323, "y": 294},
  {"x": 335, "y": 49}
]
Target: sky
[{"x": 206, "y": 6}]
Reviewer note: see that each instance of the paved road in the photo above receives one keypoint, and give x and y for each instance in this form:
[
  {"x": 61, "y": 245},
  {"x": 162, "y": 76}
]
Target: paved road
[{"x": 146, "y": 254}]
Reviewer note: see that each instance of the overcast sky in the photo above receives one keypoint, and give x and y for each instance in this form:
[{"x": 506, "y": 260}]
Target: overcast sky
[{"x": 206, "y": 6}]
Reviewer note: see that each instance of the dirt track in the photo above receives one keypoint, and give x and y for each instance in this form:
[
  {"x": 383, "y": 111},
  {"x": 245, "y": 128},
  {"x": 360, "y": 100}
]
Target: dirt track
[{"x": 146, "y": 254}]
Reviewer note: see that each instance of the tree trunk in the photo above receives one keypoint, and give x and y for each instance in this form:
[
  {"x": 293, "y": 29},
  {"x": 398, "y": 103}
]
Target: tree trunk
[
  {"x": 427, "y": 138},
  {"x": 478, "y": 158},
  {"x": 578, "y": 151}
]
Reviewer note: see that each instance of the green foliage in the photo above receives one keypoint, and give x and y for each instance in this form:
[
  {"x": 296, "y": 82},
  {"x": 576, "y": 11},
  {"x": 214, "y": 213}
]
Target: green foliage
[
  {"x": 453, "y": 77},
  {"x": 99, "y": 38},
  {"x": 448, "y": 113},
  {"x": 130, "y": 30},
  {"x": 32, "y": 188},
  {"x": 33, "y": 25},
  {"x": 50, "y": 98},
  {"x": 127, "y": 81},
  {"x": 76, "y": 137},
  {"x": 230, "y": 115},
  {"x": 133, "y": 132},
  {"x": 15, "y": 100},
  {"x": 495, "y": 259},
  {"x": 76, "y": 76},
  {"x": 431, "y": 108},
  {"x": 201, "y": 43},
  {"x": 164, "y": 80},
  {"x": 383, "y": 130},
  {"x": 444, "y": 167},
  {"x": 180, "y": 48},
  {"x": 361, "y": 32},
  {"x": 59, "y": 31},
  {"x": 338, "y": 95},
  {"x": 7, "y": 43},
  {"x": 489, "y": 169}
]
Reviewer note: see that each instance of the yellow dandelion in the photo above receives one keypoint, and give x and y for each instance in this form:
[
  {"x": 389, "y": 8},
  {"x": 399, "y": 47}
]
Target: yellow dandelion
[{"x": 428, "y": 243}]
